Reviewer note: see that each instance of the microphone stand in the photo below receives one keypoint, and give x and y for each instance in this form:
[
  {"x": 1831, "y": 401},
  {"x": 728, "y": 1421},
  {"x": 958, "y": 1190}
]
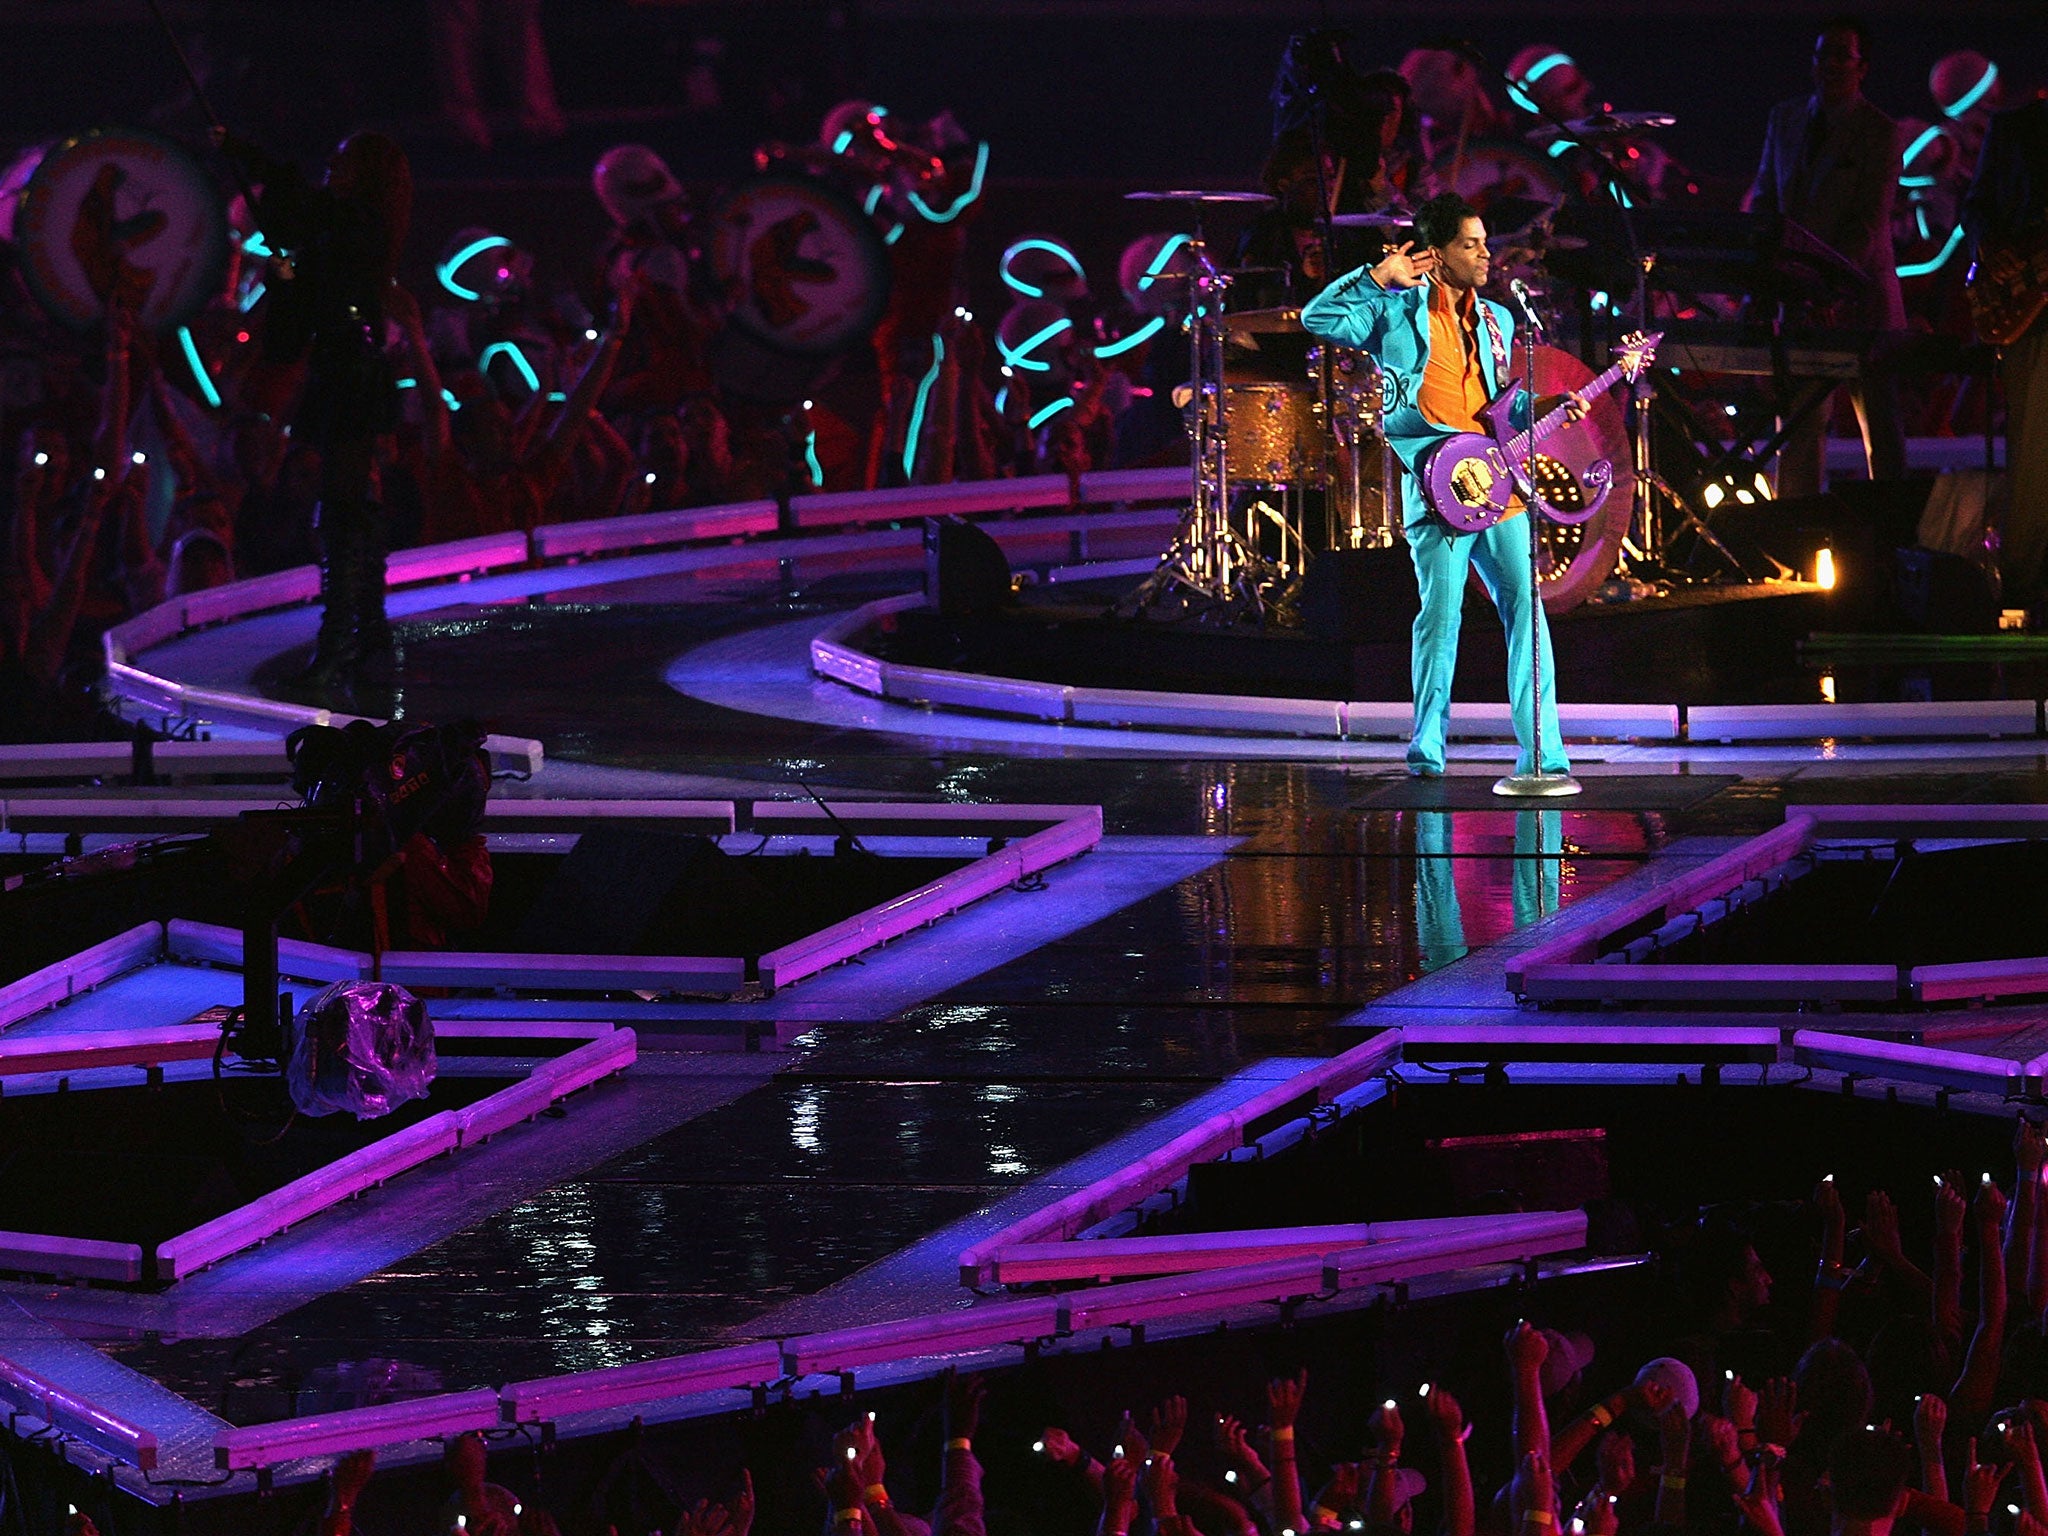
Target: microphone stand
[
  {"x": 1535, "y": 784},
  {"x": 1643, "y": 506}
]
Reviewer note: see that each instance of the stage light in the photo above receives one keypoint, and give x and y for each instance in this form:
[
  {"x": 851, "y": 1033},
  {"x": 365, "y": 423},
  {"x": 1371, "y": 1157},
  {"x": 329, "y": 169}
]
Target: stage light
[
  {"x": 1713, "y": 496},
  {"x": 42, "y": 459},
  {"x": 1824, "y": 569},
  {"x": 1763, "y": 486},
  {"x": 1745, "y": 496},
  {"x": 2008, "y": 618},
  {"x": 1827, "y": 687}
]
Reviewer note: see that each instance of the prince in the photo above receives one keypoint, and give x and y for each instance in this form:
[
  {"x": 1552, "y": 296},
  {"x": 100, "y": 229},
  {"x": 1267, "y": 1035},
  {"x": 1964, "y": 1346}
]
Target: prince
[{"x": 1443, "y": 354}]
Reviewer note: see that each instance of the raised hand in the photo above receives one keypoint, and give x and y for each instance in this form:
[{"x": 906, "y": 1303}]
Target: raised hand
[
  {"x": 739, "y": 1509},
  {"x": 1930, "y": 1420},
  {"x": 1131, "y": 1441},
  {"x": 1881, "y": 1226},
  {"x": 1386, "y": 1428},
  {"x": 2029, "y": 1150},
  {"x": 1722, "y": 1439},
  {"x": 1119, "y": 1494},
  {"x": 1949, "y": 1210},
  {"x": 1778, "y": 1418},
  {"x": 1597, "y": 1513},
  {"x": 1169, "y": 1421},
  {"x": 1527, "y": 1348},
  {"x": 963, "y": 1405},
  {"x": 1834, "y": 1221},
  {"x": 1615, "y": 1457},
  {"x": 1989, "y": 1208},
  {"x": 1235, "y": 1448},
  {"x": 1980, "y": 1483},
  {"x": 1161, "y": 1485},
  {"x": 1739, "y": 1402},
  {"x": 1444, "y": 1411},
  {"x": 1404, "y": 266},
  {"x": 1060, "y": 1447},
  {"x": 1283, "y": 1398}
]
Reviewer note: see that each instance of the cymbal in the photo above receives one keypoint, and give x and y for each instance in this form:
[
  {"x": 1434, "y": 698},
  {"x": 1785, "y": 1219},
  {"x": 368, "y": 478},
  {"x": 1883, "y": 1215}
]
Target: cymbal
[
  {"x": 1606, "y": 125},
  {"x": 1250, "y": 199},
  {"x": 1263, "y": 321},
  {"x": 1385, "y": 218}
]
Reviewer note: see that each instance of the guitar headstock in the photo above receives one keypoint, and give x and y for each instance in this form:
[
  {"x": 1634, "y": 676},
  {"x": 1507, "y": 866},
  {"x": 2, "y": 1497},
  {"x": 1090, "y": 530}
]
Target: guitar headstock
[{"x": 1637, "y": 351}]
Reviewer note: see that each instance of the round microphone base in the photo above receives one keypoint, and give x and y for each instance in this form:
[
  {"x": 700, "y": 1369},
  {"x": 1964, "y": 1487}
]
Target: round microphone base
[{"x": 1537, "y": 786}]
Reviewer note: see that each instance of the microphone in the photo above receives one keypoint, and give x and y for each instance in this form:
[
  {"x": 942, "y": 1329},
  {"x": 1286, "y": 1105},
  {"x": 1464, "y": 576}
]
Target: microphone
[{"x": 1520, "y": 290}]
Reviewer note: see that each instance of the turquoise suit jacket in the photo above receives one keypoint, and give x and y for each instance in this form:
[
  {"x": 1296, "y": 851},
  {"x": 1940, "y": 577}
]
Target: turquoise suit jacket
[{"x": 1393, "y": 325}]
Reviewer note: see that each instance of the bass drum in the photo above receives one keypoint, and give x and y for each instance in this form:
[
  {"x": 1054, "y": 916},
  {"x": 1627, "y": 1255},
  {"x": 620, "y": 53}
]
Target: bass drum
[
  {"x": 1576, "y": 559},
  {"x": 803, "y": 265},
  {"x": 119, "y": 209}
]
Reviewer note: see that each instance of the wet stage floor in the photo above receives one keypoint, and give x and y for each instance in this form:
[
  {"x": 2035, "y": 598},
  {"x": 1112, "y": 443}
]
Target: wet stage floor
[{"x": 867, "y": 1135}]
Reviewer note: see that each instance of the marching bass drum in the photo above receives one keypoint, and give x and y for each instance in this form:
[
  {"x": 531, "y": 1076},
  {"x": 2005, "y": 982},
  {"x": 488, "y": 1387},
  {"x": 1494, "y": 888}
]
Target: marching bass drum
[
  {"x": 120, "y": 207},
  {"x": 1577, "y": 558},
  {"x": 805, "y": 269}
]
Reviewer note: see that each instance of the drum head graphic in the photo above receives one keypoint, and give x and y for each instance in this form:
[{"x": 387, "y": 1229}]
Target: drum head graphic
[
  {"x": 121, "y": 211},
  {"x": 805, "y": 269}
]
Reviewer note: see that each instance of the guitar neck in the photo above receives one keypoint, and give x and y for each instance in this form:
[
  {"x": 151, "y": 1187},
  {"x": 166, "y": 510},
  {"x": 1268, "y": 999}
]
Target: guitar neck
[{"x": 1559, "y": 418}]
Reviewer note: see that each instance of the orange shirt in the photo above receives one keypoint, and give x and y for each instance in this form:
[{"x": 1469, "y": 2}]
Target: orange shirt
[{"x": 1453, "y": 380}]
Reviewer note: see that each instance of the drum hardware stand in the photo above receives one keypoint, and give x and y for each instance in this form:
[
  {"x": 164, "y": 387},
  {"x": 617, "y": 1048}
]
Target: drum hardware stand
[
  {"x": 1535, "y": 784},
  {"x": 1208, "y": 564}
]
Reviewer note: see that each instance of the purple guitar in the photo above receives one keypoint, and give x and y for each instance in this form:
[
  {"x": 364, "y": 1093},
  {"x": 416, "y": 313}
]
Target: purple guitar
[{"x": 1470, "y": 479}]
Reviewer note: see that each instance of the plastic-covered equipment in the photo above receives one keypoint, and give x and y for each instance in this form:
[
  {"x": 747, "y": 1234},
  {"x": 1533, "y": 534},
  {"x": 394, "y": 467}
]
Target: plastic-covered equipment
[{"x": 363, "y": 1046}]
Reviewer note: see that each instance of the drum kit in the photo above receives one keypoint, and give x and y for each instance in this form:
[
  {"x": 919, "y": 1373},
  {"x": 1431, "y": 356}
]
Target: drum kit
[
  {"x": 1287, "y": 456},
  {"x": 1285, "y": 447}
]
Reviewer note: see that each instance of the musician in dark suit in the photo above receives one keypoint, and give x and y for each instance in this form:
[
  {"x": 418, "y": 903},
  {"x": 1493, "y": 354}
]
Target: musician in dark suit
[
  {"x": 1830, "y": 162},
  {"x": 2007, "y": 203}
]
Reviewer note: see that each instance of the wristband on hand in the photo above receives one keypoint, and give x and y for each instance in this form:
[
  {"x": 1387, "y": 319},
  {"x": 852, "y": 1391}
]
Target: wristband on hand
[
  {"x": 1318, "y": 1513},
  {"x": 1539, "y": 1517},
  {"x": 960, "y": 1443},
  {"x": 848, "y": 1516},
  {"x": 1284, "y": 1435},
  {"x": 875, "y": 1493},
  {"x": 1675, "y": 1484},
  {"x": 1599, "y": 1415}
]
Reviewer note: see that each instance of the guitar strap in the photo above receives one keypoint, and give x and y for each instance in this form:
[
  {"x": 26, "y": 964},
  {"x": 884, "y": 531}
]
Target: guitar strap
[{"x": 1495, "y": 340}]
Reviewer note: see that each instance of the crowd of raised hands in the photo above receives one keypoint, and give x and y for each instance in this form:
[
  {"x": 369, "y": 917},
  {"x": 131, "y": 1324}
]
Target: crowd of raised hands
[{"x": 1881, "y": 1398}]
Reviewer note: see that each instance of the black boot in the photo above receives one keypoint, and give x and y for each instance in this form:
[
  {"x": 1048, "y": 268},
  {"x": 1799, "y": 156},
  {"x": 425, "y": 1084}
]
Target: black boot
[
  {"x": 375, "y": 661},
  {"x": 335, "y": 648}
]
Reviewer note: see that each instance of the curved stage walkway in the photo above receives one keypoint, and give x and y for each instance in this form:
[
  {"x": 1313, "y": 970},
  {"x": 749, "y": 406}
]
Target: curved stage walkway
[{"x": 1251, "y": 897}]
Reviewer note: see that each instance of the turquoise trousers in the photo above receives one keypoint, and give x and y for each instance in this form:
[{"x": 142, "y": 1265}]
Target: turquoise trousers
[{"x": 1501, "y": 556}]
